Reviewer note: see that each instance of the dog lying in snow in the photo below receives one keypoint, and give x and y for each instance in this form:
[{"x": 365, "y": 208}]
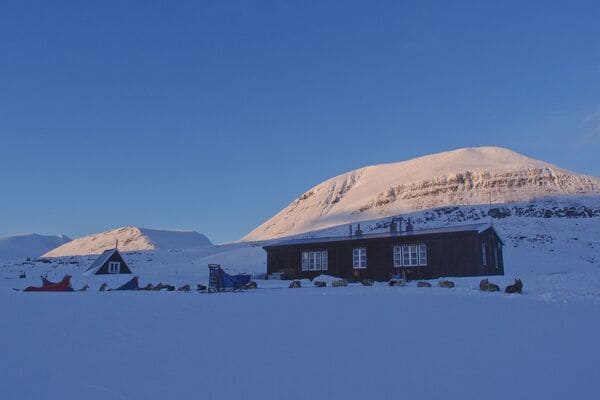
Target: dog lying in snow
[
  {"x": 517, "y": 287},
  {"x": 162, "y": 286},
  {"x": 184, "y": 288},
  {"x": 446, "y": 284},
  {"x": 147, "y": 287},
  {"x": 486, "y": 286}
]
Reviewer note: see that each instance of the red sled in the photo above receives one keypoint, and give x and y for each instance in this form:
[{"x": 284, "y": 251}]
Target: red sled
[{"x": 47, "y": 286}]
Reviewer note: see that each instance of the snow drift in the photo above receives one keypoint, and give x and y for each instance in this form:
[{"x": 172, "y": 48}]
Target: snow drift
[{"x": 461, "y": 177}]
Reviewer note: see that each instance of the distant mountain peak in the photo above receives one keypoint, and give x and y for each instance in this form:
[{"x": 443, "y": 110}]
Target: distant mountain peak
[
  {"x": 464, "y": 176},
  {"x": 131, "y": 238}
]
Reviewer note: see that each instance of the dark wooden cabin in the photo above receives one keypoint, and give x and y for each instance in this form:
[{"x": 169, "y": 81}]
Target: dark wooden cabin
[
  {"x": 468, "y": 250},
  {"x": 109, "y": 262}
]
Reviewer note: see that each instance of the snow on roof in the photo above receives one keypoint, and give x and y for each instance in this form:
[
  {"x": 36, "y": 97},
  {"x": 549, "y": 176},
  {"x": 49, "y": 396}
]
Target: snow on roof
[
  {"x": 103, "y": 258},
  {"x": 330, "y": 239}
]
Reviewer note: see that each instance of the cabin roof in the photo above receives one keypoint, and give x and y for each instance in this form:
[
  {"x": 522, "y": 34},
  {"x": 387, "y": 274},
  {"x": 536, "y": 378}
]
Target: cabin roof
[
  {"x": 479, "y": 228},
  {"x": 100, "y": 261}
]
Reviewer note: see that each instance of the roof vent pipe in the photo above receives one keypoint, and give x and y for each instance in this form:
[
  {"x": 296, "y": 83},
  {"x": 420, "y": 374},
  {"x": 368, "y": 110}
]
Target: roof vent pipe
[
  {"x": 409, "y": 226},
  {"x": 399, "y": 225},
  {"x": 358, "y": 231},
  {"x": 350, "y": 229},
  {"x": 393, "y": 226}
]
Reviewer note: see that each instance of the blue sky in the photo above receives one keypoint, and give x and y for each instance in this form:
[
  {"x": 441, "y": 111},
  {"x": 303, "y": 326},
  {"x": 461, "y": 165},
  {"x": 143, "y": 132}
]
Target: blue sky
[{"x": 215, "y": 115}]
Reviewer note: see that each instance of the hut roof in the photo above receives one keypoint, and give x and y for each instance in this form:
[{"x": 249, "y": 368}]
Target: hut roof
[{"x": 100, "y": 261}]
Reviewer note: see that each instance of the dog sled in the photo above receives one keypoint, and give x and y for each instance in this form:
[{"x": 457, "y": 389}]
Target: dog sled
[
  {"x": 48, "y": 286},
  {"x": 133, "y": 284},
  {"x": 221, "y": 281}
]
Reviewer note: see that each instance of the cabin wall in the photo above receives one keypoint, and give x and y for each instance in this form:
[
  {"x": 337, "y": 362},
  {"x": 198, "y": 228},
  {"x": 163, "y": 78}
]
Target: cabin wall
[
  {"x": 455, "y": 254},
  {"x": 103, "y": 270},
  {"x": 494, "y": 254}
]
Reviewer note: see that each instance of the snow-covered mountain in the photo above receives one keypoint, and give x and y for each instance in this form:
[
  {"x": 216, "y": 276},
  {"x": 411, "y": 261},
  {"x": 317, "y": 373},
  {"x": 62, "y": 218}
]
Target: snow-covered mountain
[
  {"x": 29, "y": 245},
  {"x": 470, "y": 176},
  {"x": 132, "y": 239}
]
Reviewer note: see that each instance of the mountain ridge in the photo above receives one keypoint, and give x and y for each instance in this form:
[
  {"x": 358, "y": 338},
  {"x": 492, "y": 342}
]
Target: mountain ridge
[
  {"x": 466, "y": 176},
  {"x": 131, "y": 238},
  {"x": 29, "y": 245}
]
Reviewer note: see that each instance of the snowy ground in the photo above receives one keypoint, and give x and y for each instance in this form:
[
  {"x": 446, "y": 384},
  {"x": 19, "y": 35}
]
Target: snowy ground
[{"x": 351, "y": 343}]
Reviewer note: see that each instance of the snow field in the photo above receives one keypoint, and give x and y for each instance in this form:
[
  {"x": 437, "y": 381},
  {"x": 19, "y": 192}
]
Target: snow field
[{"x": 347, "y": 343}]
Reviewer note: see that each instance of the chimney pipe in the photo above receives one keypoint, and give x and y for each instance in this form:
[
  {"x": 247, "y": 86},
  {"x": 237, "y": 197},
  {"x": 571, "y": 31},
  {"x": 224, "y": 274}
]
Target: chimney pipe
[
  {"x": 358, "y": 231},
  {"x": 393, "y": 226},
  {"x": 409, "y": 226},
  {"x": 350, "y": 228}
]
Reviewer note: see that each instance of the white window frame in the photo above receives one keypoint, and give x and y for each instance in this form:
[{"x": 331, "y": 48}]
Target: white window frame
[
  {"x": 312, "y": 261},
  {"x": 305, "y": 260},
  {"x": 114, "y": 267},
  {"x": 422, "y": 255},
  {"x": 315, "y": 260},
  {"x": 359, "y": 258},
  {"x": 397, "y": 251},
  {"x": 324, "y": 260},
  {"x": 410, "y": 255}
]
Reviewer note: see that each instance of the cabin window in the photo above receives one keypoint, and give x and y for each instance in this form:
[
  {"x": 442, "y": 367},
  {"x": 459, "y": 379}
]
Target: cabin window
[
  {"x": 315, "y": 260},
  {"x": 422, "y": 255},
  {"x": 484, "y": 254},
  {"x": 397, "y": 256},
  {"x": 359, "y": 258},
  {"x": 411, "y": 255},
  {"x": 114, "y": 267}
]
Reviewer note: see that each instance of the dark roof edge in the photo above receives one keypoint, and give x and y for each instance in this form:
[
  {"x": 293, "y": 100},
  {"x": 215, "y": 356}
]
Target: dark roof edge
[{"x": 479, "y": 228}]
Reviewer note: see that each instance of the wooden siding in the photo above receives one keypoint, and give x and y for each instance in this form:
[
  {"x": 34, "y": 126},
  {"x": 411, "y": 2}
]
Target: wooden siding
[{"x": 448, "y": 254}]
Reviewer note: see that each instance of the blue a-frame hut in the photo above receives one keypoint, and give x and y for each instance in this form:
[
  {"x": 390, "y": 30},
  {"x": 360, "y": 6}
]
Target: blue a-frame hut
[{"x": 109, "y": 262}]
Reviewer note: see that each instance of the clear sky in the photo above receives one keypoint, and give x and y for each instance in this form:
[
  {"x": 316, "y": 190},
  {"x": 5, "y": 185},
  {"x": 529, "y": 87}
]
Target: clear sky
[{"x": 214, "y": 115}]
